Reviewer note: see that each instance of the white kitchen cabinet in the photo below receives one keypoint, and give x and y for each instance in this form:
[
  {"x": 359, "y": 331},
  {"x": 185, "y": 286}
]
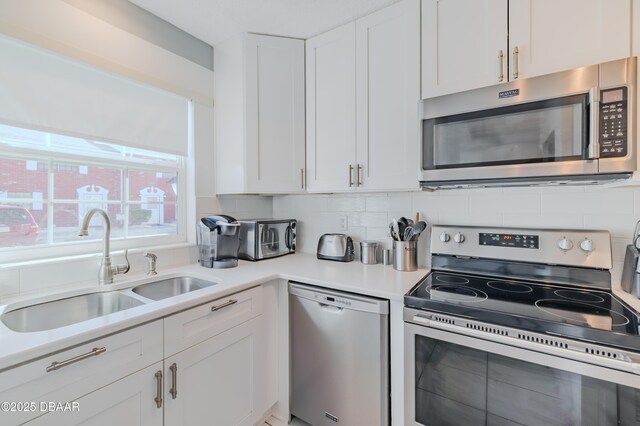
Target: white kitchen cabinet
[
  {"x": 259, "y": 115},
  {"x": 129, "y": 401},
  {"x": 363, "y": 88},
  {"x": 331, "y": 110},
  {"x": 462, "y": 44},
  {"x": 217, "y": 381},
  {"x": 387, "y": 96},
  {"x": 83, "y": 369},
  {"x": 467, "y": 44},
  {"x": 555, "y": 35}
]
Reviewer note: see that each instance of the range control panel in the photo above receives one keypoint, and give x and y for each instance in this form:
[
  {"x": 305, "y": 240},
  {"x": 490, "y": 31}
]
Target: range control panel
[
  {"x": 576, "y": 247},
  {"x": 510, "y": 240},
  {"x": 613, "y": 122}
]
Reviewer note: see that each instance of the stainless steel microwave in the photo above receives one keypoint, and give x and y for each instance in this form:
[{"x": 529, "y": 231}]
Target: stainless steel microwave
[{"x": 576, "y": 126}]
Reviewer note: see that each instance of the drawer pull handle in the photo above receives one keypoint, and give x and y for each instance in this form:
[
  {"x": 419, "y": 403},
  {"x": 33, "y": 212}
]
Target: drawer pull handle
[
  {"x": 58, "y": 365},
  {"x": 158, "y": 398},
  {"x": 224, "y": 305},
  {"x": 174, "y": 381}
]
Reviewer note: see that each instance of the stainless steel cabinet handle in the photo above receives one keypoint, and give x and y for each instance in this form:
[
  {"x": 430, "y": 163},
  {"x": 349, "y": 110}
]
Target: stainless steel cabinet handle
[
  {"x": 58, "y": 365},
  {"x": 359, "y": 175},
  {"x": 501, "y": 59},
  {"x": 302, "y": 178},
  {"x": 516, "y": 71},
  {"x": 158, "y": 398},
  {"x": 174, "y": 381},
  {"x": 224, "y": 305},
  {"x": 350, "y": 175}
]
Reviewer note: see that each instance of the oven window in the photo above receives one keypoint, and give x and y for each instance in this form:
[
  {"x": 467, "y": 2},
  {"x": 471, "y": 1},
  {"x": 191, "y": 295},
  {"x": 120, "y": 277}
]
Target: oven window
[
  {"x": 456, "y": 385},
  {"x": 544, "y": 131}
]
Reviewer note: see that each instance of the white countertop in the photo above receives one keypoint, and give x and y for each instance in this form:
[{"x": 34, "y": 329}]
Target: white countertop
[{"x": 372, "y": 280}]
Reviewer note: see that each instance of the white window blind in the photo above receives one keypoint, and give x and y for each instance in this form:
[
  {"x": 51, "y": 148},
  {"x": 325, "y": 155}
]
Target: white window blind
[{"x": 45, "y": 91}]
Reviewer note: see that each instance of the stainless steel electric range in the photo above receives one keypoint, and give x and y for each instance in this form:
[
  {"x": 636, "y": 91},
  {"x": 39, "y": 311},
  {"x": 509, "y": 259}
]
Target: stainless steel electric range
[{"x": 519, "y": 326}]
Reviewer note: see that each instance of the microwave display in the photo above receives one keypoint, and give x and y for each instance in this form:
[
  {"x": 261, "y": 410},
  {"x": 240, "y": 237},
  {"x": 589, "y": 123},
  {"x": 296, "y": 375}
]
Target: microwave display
[{"x": 613, "y": 122}]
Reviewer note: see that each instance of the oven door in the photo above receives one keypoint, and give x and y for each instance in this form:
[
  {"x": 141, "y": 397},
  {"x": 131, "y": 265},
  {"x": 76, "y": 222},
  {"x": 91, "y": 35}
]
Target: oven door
[
  {"x": 455, "y": 379},
  {"x": 275, "y": 239}
]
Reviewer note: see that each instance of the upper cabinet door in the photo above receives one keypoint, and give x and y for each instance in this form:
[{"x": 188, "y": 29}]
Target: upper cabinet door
[
  {"x": 388, "y": 92},
  {"x": 331, "y": 110},
  {"x": 462, "y": 44},
  {"x": 274, "y": 69},
  {"x": 553, "y": 35}
]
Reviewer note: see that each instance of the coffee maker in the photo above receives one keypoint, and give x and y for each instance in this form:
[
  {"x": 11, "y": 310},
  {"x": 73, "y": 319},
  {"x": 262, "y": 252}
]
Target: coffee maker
[{"x": 218, "y": 241}]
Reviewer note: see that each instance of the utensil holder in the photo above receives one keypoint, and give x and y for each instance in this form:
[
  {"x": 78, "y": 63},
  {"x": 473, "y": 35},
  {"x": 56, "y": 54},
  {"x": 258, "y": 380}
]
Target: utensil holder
[{"x": 405, "y": 255}]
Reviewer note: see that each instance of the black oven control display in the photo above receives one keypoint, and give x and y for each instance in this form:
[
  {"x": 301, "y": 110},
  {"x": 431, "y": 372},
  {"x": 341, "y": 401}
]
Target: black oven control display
[
  {"x": 613, "y": 122},
  {"x": 510, "y": 240}
]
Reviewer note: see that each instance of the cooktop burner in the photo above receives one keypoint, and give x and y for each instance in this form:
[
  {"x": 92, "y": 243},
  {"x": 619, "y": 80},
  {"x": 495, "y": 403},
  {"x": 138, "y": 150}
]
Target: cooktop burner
[{"x": 592, "y": 315}]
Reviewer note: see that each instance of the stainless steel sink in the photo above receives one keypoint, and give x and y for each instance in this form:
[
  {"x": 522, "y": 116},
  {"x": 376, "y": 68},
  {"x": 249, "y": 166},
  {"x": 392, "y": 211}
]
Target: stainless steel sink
[
  {"x": 58, "y": 313},
  {"x": 170, "y": 287}
]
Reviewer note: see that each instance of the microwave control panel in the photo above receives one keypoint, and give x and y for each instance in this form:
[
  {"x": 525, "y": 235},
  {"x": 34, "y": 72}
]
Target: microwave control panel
[{"x": 613, "y": 122}]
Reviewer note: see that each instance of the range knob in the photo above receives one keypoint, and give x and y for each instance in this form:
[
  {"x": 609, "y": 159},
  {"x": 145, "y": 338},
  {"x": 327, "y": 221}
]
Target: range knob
[
  {"x": 565, "y": 244},
  {"x": 444, "y": 237},
  {"x": 587, "y": 245},
  {"x": 458, "y": 238}
]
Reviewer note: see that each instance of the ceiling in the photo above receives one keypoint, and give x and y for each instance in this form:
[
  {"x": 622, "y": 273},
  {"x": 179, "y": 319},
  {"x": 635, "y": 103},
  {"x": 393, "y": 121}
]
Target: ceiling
[{"x": 216, "y": 20}]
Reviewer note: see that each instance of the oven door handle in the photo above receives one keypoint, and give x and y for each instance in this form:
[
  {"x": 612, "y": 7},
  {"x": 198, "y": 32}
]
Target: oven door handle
[
  {"x": 626, "y": 363},
  {"x": 594, "y": 125}
]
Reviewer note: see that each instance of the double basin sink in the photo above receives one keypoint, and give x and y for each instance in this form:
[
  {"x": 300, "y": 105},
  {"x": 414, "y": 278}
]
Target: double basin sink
[{"x": 72, "y": 310}]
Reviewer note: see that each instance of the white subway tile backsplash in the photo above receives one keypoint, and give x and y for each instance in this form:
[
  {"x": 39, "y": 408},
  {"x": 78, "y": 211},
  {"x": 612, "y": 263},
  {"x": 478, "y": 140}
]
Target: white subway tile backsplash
[
  {"x": 429, "y": 202},
  {"x": 505, "y": 203},
  {"x": 387, "y": 203},
  {"x": 477, "y": 218},
  {"x": 346, "y": 204},
  {"x": 612, "y": 201},
  {"x": 619, "y": 225},
  {"x": 367, "y": 219},
  {"x": 536, "y": 220}
]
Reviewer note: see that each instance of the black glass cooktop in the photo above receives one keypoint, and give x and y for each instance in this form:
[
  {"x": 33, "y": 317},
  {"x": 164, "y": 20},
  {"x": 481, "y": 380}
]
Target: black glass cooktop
[{"x": 591, "y": 315}]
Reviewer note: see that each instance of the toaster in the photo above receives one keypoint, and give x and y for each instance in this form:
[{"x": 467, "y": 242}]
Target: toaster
[{"x": 337, "y": 247}]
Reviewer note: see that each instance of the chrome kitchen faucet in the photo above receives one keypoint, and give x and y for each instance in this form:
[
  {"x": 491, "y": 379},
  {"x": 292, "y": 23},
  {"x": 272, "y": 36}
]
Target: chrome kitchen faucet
[{"x": 106, "y": 272}]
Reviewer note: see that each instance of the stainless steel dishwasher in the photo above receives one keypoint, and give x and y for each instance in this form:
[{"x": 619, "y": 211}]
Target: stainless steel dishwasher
[{"x": 339, "y": 357}]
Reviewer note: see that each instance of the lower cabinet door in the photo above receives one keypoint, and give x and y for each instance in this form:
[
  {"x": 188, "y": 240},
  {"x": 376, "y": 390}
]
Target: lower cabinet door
[
  {"x": 216, "y": 382},
  {"x": 129, "y": 401}
]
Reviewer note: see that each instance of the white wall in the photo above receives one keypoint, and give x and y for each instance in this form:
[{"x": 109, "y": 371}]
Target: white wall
[{"x": 368, "y": 215}]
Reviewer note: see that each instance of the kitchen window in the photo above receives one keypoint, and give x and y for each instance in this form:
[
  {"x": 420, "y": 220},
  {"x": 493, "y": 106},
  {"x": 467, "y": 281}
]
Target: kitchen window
[{"x": 49, "y": 181}]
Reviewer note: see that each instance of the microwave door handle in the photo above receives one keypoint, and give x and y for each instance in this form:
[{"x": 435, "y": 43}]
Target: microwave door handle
[
  {"x": 594, "y": 127},
  {"x": 287, "y": 237}
]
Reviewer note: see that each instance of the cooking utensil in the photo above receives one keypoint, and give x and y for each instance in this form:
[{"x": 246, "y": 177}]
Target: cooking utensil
[
  {"x": 418, "y": 229},
  {"x": 408, "y": 234},
  {"x": 395, "y": 231}
]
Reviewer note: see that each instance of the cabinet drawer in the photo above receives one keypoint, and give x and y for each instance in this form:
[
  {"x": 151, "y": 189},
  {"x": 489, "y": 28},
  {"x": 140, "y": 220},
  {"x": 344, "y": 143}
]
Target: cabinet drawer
[
  {"x": 80, "y": 370},
  {"x": 195, "y": 325}
]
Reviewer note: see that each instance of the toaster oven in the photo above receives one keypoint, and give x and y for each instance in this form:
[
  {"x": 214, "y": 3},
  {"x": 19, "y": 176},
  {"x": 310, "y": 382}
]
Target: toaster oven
[{"x": 266, "y": 238}]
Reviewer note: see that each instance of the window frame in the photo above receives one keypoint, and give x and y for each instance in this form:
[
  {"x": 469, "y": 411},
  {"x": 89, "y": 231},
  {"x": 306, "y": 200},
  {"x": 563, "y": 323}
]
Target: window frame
[{"x": 81, "y": 247}]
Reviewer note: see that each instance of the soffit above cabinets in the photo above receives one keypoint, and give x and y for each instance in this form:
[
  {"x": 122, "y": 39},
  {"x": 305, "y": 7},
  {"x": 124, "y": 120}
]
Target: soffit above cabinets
[{"x": 216, "y": 20}]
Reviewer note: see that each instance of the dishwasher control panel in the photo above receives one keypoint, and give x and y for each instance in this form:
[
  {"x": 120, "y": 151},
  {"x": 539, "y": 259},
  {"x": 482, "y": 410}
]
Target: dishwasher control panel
[{"x": 332, "y": 299}]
